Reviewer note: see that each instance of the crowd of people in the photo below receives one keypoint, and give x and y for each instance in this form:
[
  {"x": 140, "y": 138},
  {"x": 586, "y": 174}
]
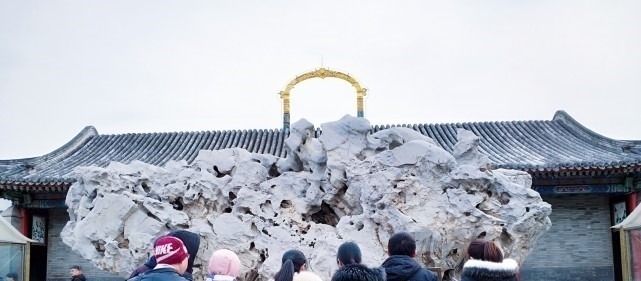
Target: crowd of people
[{"x": 173, "y": 259}]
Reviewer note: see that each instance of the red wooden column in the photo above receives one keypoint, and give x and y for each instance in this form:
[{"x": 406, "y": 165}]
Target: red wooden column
[
  {"x": 25, "y": 222},
  {"x": 631, "y": 202}
]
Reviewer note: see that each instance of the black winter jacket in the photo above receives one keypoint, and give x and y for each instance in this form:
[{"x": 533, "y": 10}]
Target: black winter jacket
[
  {"x": 162, "y": 274},
  {"x": 405, "y": 268},
  {"x": 358, "y": 272},
  {"x": 478, "y": 270},
  {"x": 79, "y": 277}
]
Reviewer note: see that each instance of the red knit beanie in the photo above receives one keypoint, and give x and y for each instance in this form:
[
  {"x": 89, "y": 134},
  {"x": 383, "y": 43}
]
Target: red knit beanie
[{"x": 169, "y": 250}]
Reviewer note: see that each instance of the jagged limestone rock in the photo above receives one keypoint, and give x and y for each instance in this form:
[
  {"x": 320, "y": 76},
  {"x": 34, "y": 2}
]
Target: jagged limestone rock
[{"x": 347, "y": 185}]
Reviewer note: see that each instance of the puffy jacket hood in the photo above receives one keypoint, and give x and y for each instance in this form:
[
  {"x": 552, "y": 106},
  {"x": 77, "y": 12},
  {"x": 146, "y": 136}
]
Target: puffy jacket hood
[
  {"x": 151, "y": 262},
  {"x": 358, "y": 272},
  {"x": 192, "y": 242},
  {"x": 478, "y": 270},
  {"x": 400, "y": 268}
]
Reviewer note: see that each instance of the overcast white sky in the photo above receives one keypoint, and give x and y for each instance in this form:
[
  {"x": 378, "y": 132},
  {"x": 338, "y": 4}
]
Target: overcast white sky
[{"x": 156, "y": 66}]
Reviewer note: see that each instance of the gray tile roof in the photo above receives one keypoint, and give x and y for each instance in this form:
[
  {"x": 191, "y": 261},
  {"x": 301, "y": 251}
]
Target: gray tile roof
[{"x": 553, "y": 145}]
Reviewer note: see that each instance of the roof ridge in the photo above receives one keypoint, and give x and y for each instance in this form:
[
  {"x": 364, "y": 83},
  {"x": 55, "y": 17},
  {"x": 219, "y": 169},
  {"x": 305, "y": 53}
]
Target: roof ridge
[
  {"x": 317, "y": 128},
  {"x": 196, "y": 131}
]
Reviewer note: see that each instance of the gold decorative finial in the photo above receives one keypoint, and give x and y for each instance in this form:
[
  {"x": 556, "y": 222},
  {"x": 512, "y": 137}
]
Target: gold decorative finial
[{"x": 322, "y": 73}]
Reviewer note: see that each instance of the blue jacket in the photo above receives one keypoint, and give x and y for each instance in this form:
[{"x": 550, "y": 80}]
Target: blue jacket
[
  {"x": 161, "y": 274},
  {"x": 405, "y": 268},
  {"x": 150, "y": 264}
]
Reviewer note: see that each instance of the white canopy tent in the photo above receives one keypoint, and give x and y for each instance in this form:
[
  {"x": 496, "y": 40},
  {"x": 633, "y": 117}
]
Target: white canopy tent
[
  {"x": 630, "y": 234},
  {"x": 9, "y": 234},
  {"x": 631, "y": 222},
  {"x": 14, "y": 251}
]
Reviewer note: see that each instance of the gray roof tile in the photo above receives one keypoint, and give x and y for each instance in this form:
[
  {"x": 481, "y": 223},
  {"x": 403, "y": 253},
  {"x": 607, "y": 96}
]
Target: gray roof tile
[{"x": 553, "y": 145}]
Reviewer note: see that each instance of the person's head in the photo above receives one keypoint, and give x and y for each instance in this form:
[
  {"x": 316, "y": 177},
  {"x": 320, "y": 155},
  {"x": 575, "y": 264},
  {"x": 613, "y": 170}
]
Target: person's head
[
  {"x": 348, "y": 253},
  {"x": 224, "y": 262},
  {"x": 75, "y": 270},
  {"x": 293, "y": 261},
  {"x": 171, "y": 251},
  {"x": 401, "y": 244},
  {"x": 191, "y": 241},
  {"x": 480, "y": 249},
  {"x": 12, "y": 276}
]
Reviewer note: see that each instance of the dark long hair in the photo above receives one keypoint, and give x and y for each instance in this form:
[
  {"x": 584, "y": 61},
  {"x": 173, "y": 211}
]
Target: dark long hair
[
  {"x": 485, "y": 250},
  {"x": 293, "y": 260}
]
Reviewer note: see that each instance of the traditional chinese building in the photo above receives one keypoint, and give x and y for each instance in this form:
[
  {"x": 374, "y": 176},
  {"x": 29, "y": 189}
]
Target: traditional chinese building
[{"x": 590, "y": 180}]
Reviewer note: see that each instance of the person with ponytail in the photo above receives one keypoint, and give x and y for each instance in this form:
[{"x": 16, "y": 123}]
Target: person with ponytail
[
  {"x": 294, "y": 262},
  {"x": 348, "y": 253},
  {"x": 350, "y": 267},
  {"x": 486, "y": 263}
]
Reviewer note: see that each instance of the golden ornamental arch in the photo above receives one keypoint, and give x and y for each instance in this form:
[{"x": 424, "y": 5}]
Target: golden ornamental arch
[{"x": 321, "y": 73}]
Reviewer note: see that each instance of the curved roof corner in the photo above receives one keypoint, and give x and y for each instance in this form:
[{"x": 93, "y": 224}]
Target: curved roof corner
[
  {"x": 74, "y": 144},
  {"x": 68, "y": 148},
  {"x": 569, "y": 121},
  {"x": 578, "y": 129}
]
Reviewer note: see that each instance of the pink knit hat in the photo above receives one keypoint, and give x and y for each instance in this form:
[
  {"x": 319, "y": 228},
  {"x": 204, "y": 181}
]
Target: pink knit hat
[{"x": 224, "y": 262}]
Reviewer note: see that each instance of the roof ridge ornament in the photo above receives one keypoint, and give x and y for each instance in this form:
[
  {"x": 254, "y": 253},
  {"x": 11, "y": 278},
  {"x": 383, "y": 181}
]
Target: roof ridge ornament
[
  {"x": 321, "y": 73},
  {"x": 591, "y": 136}
]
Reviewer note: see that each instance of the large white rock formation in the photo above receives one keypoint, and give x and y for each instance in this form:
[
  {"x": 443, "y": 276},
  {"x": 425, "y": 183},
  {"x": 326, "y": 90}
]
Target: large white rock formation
[{"x": 346, "y": 185}]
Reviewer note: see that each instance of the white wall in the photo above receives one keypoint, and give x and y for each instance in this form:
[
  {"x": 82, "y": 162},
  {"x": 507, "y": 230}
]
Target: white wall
[{"x": 4, "y": 204}]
